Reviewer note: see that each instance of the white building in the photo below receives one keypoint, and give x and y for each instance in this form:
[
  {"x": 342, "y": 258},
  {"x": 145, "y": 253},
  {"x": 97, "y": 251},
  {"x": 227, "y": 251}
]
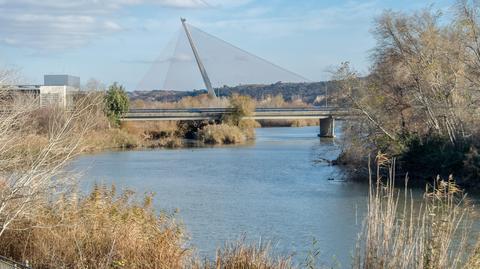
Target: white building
[
  {"x": 59, "y": 90},
  {"x": 56, "y": 90}
]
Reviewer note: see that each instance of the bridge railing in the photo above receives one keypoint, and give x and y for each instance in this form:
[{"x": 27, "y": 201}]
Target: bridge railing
[{"x": 223, "y": 109}]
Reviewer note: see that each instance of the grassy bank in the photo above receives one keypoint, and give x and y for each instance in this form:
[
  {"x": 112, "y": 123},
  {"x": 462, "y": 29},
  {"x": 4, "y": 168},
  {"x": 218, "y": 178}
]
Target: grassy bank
[
  {"x": 106, "y": 229},
  {"x": 109, "y": 132}
]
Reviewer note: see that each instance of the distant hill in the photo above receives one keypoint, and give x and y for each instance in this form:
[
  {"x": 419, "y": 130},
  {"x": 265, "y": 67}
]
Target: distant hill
[
  {"x": 309, "y": 92},
  {"x": 162, "y": 95}
]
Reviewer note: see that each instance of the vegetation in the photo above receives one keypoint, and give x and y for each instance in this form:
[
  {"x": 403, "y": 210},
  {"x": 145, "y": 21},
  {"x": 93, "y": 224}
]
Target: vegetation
[
  {"x": 100, "y": 230},
  {"x": 399, "y": 233},
  {"x": 47, "y": 222},
  {"x": 243, "y": 255},
  {"x": 271, "y": 95},
  {"x": 108, "y": 230},
  {"x": 116, "y": 102},
  {"x": 421, "y": 101},
  {"x": 221, "y": 134},
  {"x": 203, "y": 101},
  {"x": 30, "y": 162}
]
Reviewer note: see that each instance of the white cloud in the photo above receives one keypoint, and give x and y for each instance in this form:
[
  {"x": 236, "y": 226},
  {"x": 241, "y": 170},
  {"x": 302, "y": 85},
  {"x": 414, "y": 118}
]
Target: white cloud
[
  {"x": 62, "y": 24},
  {"x": 265, "y": 22}
]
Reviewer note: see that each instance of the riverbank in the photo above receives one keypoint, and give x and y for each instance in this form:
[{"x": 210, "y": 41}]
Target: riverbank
[
  {"x": 174, "y": 134},
  {"x": 116, "y": 229}
]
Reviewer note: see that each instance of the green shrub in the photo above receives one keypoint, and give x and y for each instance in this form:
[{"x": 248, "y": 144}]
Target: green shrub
[
  {"x": 116, "y": 102},
  {"x": 435, "y": 155}
]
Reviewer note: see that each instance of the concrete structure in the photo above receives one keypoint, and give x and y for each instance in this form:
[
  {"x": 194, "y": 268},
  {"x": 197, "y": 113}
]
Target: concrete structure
[
  {"x": 326, "y": 115},
  {"x": 327, "y": 127},
  {"x": 53, "y": 95},
  {"x": 57, "y": 90}
]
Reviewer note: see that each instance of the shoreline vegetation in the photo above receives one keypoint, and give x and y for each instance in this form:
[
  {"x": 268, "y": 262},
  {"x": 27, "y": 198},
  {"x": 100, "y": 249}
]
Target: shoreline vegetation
[
  {"x": 420, "y": 102},
  {"x": 173, "y": 134}
]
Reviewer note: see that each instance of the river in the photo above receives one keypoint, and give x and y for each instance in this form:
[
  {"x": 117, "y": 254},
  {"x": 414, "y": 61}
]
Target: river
[{"x": 273, "y": 189}]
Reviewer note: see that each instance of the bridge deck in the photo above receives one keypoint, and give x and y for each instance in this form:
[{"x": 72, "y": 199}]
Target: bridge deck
[{"x": 217, "y": 113}]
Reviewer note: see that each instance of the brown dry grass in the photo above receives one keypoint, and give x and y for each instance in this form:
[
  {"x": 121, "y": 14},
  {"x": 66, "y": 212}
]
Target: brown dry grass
[
  {"x": 100, "y": 230},
  {"x": 200, "y": 101},
  {"x": 474, "y": 260},
  {"x": 278, "y": 101},
  {"x": 203, "y": 101},
  {"x": 222, "y": 134},
  {"x": 242, "y": 255},
  {"x": 403, "y": 235}
]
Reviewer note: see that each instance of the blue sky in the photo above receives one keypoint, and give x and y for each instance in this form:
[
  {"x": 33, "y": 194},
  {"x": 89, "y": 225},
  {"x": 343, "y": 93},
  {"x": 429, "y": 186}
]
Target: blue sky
[{"x": 114, "y": 40}]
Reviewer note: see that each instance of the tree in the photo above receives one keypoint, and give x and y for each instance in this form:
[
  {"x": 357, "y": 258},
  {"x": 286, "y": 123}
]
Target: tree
[
  {"x": 31, "y": 167},
  {"x": 421, "y": 99},
  {"x": 116, "y": 102},
  {"x": 242, "y": 106},
  {"x": 94, "y": 85}
]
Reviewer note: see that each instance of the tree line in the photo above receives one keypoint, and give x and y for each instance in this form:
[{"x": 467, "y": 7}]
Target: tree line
[{"x": 420, "y": 102}]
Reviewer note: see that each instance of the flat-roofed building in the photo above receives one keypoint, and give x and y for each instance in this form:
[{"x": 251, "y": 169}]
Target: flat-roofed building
[{"x": 57, "y": 90}]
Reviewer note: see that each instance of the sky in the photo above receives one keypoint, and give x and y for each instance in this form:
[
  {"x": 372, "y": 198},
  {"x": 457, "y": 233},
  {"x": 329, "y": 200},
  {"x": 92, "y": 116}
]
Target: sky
[{"x": 117, "y": 40}]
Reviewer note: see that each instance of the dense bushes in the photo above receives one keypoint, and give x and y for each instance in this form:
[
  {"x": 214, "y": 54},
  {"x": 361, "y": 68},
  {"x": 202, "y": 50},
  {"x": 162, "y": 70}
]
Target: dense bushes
[{"x": 435, "y": 155}]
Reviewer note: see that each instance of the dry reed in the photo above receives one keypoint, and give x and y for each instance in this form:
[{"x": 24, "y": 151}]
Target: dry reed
[
  {"x": 242, "y": 255},
  {"x": 400, "y": 235},
  {"x": 100, "y": 230}
]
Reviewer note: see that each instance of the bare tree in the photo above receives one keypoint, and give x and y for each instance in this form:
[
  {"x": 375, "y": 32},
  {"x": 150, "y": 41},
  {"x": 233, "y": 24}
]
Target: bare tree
[
  {"x": 31, "y": 166},
  {"x": 94, "y": 85}
]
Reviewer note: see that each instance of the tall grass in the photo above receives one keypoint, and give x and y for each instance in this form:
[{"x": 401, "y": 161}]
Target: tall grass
[
  {"x": 221, "y": 134},
  {"x": 277, "y": 101},
  {"x": 242, "y": 255},
  {"x": 100, "y": 230},
  {"x": 200, "y": 101},
  {"x": 108, "y": 230},
  {"x": 204, "y": 101},
  {"x": 398, "y": 234}
]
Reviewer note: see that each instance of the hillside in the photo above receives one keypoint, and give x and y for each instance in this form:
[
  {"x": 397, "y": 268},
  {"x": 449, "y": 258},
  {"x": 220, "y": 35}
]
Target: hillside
[{"x": 311, "y": 92}]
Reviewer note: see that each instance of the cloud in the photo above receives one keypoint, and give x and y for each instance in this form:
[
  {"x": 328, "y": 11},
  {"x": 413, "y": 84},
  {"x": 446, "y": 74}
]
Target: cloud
[
  {"x": 63, "y": 24},
  {"x": 291, "y": 21}
]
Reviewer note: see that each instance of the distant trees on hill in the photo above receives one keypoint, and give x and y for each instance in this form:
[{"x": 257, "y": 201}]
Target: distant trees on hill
[{"x": 311, "y": 93}]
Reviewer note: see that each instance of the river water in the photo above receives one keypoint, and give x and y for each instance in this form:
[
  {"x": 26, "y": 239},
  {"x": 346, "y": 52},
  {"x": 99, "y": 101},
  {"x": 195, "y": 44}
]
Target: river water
[{"x": 273, "y": 189}]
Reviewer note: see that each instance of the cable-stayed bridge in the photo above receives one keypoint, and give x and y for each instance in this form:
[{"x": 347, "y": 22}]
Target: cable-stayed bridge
[
  {"x": 198, "y": 60},
  {"x": 194, "y": 59}
]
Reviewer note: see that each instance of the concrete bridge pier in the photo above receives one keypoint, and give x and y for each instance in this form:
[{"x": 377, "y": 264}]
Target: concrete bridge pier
[{"x": 327, "y": 127}]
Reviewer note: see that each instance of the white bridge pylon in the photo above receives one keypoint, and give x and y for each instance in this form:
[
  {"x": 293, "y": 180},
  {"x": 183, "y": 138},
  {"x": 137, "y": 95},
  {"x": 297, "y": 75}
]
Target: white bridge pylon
[{"x": 197, "y": 60}]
